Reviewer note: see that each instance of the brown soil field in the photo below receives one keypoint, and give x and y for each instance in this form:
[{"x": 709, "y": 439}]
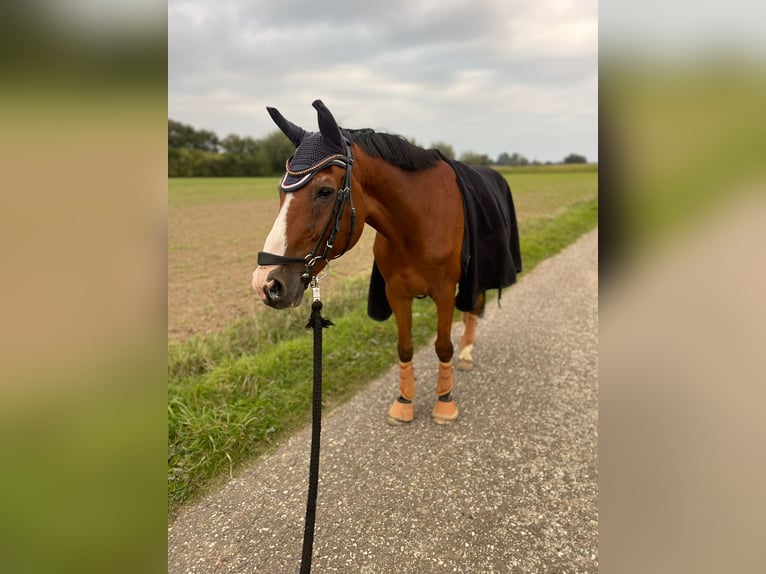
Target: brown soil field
[
  {"x": 216, "y": 228},
  {"x": 212, "y": 251}
]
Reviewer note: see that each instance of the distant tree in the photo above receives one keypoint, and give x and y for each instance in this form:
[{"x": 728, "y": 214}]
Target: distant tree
[
  {"x": 447, "y": 150},
  {"x": 179, "y": 135},
  {"x": 184, "y": 136},
  {"x": 186, "y": 162},
  {"x": 176, "y": 166},
  {"x": 473, "y": 158},
  {"x": 233, "y": 144},
  {"x": 274, "y": 151},
  {"x": 575, "y": 158},
  {"x": 515, "y": 159},
  {"x": 243, "y": 157}
]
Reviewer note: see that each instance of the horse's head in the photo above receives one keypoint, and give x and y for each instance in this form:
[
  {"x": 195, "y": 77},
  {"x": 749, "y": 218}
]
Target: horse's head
[{"x": 313, "y": 224}]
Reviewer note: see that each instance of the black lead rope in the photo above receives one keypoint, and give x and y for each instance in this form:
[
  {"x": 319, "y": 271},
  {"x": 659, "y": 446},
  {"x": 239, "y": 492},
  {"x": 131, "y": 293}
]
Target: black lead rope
[{"x": 317, "y": 323}]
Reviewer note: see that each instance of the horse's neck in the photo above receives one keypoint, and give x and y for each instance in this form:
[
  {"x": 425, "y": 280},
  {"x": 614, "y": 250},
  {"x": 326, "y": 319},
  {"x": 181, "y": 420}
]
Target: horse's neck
[{"x": 388, "y": 199}]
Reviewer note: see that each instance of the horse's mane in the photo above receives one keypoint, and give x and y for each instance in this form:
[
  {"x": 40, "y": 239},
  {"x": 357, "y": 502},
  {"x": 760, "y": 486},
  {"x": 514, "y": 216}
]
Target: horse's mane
[{"x": 393, "y": 149}]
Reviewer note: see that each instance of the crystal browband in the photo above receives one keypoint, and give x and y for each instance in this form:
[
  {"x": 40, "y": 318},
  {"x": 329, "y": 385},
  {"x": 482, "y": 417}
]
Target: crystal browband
[{"x": 338, "y": 159}]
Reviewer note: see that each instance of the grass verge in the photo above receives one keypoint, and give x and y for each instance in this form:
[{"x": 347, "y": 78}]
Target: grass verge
[{"x": 234, "y": 395}]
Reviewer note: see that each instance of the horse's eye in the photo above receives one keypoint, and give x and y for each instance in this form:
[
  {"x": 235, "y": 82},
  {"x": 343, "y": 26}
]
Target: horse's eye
[{"x": 325, "y": 192}]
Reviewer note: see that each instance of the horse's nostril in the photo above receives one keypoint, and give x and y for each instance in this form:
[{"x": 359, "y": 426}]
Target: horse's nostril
[{"x": 275, "y": 290}]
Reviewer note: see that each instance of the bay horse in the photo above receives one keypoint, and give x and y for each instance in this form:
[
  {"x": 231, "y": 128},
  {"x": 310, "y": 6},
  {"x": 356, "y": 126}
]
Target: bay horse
[{"x": 418, "y": 202}]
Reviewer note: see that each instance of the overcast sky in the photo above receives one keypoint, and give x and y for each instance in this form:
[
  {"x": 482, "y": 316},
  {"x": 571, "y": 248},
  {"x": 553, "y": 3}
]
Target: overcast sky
[{"x": 488, "y": 76}]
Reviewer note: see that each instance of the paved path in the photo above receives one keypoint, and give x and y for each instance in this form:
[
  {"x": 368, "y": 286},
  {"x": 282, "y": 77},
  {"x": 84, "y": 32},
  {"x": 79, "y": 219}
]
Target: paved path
[{"x": 510, "y": 487}]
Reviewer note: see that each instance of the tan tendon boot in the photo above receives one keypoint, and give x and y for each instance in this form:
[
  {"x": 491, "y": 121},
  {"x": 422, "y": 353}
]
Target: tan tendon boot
[
  {"x": 402, "y": 412},
  {"x": 444, "y": 412}
]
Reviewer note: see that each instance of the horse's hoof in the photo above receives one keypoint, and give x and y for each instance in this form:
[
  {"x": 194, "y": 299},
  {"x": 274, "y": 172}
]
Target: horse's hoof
[
  {"x": 444, "y": 412},
  {"x": 464, "y": 359},
  {"x": 400, "y": 413},
  {"x": 464, "y": 364}
]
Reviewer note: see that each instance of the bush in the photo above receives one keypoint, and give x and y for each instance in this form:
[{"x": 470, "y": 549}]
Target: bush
[
  {"x": 575, "y": 158},
  {"x": 199, "y": 153}
]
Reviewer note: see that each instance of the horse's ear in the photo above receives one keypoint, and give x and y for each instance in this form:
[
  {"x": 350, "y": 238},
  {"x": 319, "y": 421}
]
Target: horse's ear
[
  {"x": 295, "y": 133},
  {"x": 327, "y": 125}
]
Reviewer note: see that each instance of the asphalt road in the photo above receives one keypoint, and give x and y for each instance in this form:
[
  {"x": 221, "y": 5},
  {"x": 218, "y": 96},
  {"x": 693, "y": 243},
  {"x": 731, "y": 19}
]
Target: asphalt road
[{"x": 510, "y": 487}]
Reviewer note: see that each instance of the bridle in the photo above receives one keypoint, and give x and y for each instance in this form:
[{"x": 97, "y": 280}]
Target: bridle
[{"x": 336, "y": 216}]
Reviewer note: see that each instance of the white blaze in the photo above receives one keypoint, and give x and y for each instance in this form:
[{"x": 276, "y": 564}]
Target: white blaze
[{"x": 276, "y": 243}]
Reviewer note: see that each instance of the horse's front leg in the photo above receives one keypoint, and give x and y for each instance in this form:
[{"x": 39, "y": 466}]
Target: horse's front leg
[
  {"x": 445, "y": 410},
  {"x": 402, "y": 410}
]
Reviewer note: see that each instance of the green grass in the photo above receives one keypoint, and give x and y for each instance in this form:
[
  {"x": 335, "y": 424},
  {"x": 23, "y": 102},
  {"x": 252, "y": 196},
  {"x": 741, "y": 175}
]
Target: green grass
[
  {"x": 555, "y": 168},
  {"x": 234, "y": 395},
  {"x": 189, "y": 191},
  {"x": 541, "y": 195},
  {"x": 540, "y": 238}
]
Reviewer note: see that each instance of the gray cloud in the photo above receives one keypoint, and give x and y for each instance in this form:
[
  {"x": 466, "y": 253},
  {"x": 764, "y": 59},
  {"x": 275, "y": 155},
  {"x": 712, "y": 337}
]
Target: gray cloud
[{"x": 486, "y": 76}]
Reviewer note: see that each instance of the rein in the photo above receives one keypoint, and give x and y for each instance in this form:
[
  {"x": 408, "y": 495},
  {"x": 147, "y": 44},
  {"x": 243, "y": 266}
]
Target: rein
[
  {"x": 317, "y": 323},
  {"x": 336, "y": 215}
]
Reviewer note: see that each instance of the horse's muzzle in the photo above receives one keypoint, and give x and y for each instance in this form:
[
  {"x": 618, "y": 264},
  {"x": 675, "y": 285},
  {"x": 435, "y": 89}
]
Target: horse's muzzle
[{"x": 278, "y": 287}]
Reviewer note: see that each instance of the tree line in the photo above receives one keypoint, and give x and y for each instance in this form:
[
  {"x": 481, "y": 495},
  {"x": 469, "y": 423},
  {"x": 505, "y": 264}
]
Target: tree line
[{"x": 201, "y": 153}]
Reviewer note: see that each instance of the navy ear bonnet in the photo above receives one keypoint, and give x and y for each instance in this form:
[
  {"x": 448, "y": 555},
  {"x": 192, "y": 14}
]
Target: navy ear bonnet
[
  {"x": 312, "y": 155},
  {"x": 314, "y": 150}
]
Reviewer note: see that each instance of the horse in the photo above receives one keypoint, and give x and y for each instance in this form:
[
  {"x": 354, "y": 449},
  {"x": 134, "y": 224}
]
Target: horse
[{"x": 339, "y": 179}]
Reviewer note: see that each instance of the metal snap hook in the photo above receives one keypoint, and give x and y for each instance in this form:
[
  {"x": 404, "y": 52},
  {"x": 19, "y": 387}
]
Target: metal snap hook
[
  {"x": 309, "y": 276},
  {"x": 315, "y": 279},
  {"x": 324, "y": 272}
]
